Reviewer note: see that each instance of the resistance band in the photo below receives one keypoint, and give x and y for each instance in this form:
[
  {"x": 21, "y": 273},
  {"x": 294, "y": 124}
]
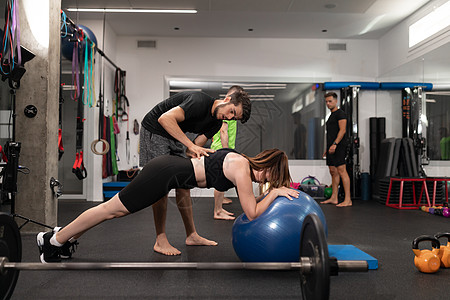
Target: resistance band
[
  {"x": 88, "y": 95},
  {"x": 11, "y": 38},
  {"x": 75, "y": 65}
]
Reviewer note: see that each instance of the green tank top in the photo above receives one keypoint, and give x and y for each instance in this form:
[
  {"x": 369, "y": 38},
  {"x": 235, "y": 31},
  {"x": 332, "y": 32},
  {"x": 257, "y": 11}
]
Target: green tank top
[{"x": 232, "y": 128}]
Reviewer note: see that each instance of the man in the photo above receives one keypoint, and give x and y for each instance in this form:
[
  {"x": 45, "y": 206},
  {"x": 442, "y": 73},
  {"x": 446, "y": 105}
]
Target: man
[
  {"x": 225, "y": 138},
  {"x": 336, "y": 148},
  {"x": 163, "y": 132}
]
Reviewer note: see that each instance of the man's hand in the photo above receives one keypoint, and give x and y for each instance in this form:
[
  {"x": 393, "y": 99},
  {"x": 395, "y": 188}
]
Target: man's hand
[
  {"x": 196, "y": 151},
  {"x": 332, "y": 149}
]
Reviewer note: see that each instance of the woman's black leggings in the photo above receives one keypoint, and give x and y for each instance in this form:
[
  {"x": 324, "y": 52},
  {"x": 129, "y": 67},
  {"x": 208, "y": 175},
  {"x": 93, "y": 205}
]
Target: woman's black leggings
[{"x": 156, "y": 179}]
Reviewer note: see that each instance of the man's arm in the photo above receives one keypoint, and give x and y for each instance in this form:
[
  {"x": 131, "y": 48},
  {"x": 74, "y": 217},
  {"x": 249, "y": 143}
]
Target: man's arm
[
  {"x": 201, "y": 140},
  {"x": 170, "y": 122},
  {"x": 224, "y": 135},
  {"x": 342, "y": 130}
]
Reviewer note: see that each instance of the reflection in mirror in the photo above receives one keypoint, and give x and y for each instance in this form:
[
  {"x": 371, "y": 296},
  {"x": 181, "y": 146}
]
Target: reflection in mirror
[
  {"x": 287, "y": 116},
  {"x": 438, "y": 130},
  {"x": 432, "y": 67}
]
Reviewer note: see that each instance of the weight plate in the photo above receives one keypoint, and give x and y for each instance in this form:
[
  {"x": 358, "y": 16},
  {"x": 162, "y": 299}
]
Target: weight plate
[
  {"x": 11, "y": 248},
  {"x": 313, "y": 244}
]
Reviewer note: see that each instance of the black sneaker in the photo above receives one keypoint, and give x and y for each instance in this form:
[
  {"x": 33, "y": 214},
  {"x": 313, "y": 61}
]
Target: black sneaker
[
  {"x": 48, "y": 252},
  {"x": 68, "y": 248}
]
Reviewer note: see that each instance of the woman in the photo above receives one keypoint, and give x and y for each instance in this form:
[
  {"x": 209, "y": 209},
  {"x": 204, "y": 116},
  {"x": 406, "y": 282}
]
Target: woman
[{"x": 220, "y": 170}]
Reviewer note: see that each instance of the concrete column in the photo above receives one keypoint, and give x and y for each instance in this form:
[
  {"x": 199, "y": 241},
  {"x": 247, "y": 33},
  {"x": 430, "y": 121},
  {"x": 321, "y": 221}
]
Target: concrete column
[{"x": 40, "y": 33}]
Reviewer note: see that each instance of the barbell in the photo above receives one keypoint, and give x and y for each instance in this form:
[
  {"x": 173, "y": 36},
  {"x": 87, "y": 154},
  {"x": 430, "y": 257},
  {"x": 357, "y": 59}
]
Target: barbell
[{"x": 315, "y": 266}]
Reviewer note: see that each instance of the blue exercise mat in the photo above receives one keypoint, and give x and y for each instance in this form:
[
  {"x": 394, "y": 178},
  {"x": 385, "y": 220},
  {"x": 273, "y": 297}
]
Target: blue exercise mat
[
  {"x": 116, "y": 184},
  {"x": 350, "y": 252}
]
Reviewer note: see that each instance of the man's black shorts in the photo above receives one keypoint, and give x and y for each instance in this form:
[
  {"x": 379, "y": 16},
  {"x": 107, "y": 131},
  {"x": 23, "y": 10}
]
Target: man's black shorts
[{"x": 338, "y": 157}]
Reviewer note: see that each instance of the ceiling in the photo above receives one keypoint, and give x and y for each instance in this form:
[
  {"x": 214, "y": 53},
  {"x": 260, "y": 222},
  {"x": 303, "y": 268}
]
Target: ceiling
[{"x": 330, "y": 19}]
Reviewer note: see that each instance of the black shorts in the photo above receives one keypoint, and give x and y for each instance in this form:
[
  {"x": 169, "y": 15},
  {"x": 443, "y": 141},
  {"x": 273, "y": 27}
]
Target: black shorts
[
  {"x": 338, "y": 157},
  {"x": 152, "y": 145},
  {"x": 155, "y": 181}
]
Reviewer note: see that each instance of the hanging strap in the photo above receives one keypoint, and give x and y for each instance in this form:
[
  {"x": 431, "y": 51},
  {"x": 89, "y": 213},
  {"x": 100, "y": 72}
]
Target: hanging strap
[
  {"x": 114, "y": 168},
  {"x": 3, "y": 155},
  {"x": 105, "y": 147},
  {"x": 60, "y": 144},
  {"x": 78, "y": 167}
]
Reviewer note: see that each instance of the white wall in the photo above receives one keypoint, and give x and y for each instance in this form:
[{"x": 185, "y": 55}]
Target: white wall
[{"x": 395, "y": 54}]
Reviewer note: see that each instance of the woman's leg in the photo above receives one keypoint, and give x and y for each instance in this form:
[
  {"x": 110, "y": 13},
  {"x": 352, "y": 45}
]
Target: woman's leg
[{"x": 92, "y": 217}]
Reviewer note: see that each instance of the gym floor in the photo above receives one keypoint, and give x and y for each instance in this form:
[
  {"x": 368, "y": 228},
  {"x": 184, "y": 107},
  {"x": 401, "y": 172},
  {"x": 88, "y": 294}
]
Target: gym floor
[{"x": 385, "y": 233}]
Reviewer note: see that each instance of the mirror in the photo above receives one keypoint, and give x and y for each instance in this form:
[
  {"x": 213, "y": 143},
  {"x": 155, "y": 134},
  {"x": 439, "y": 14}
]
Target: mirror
[{"x": 288, "y": 116}]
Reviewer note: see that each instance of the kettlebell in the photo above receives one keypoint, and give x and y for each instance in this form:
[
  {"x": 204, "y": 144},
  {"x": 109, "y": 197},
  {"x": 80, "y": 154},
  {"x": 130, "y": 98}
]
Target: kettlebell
[
  {"x": 426, "y": 261},
  {"x": 444, "y": 251}
]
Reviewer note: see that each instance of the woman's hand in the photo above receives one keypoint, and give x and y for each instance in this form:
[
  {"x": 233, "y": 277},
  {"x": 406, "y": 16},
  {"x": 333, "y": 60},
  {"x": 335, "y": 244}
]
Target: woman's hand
[{"x": 286, "y": 192}]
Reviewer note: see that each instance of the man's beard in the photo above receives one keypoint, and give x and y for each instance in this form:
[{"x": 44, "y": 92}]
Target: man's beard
[{"x": 216, "y": 110}]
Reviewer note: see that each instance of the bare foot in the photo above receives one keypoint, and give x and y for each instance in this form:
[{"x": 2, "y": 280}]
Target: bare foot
[
  {"x": 346, "y": 203},
  {"x": 223, "y": 215},
  {"x": 227, "y": 212},
  {"x": 196, "y": 240},
  {"x": 227, "y": 201},
  {"x": 163, "y": 246},
  {"x": 330, "y": 201}
]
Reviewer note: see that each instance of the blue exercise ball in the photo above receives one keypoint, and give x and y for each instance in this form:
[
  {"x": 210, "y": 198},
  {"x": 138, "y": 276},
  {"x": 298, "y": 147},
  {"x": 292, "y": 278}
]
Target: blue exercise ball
[
  {"x": 275, "y": 235},
  {"x": 67, "y": 45}
]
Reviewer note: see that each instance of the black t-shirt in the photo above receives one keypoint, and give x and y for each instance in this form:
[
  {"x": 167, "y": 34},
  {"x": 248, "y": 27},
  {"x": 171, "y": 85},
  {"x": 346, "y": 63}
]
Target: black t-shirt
[
  {"x": 332, "y": 126},
  {"x": 197, "y": 111}
]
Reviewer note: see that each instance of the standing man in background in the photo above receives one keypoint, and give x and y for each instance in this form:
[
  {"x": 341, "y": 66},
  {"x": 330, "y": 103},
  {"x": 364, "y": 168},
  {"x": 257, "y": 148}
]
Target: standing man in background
[
  {"x": 225, "y": 138},
  {"x": 163, "y": 132},
  {"x": 336, "y": 148}
]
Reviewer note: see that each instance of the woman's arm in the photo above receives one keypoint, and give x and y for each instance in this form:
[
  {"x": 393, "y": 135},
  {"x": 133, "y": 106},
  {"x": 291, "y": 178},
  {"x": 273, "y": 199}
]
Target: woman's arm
[
  {"x": 255, "y": 209},
  {"x": 239, "y": 174},
  {"x": 261, "y": 196}
]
